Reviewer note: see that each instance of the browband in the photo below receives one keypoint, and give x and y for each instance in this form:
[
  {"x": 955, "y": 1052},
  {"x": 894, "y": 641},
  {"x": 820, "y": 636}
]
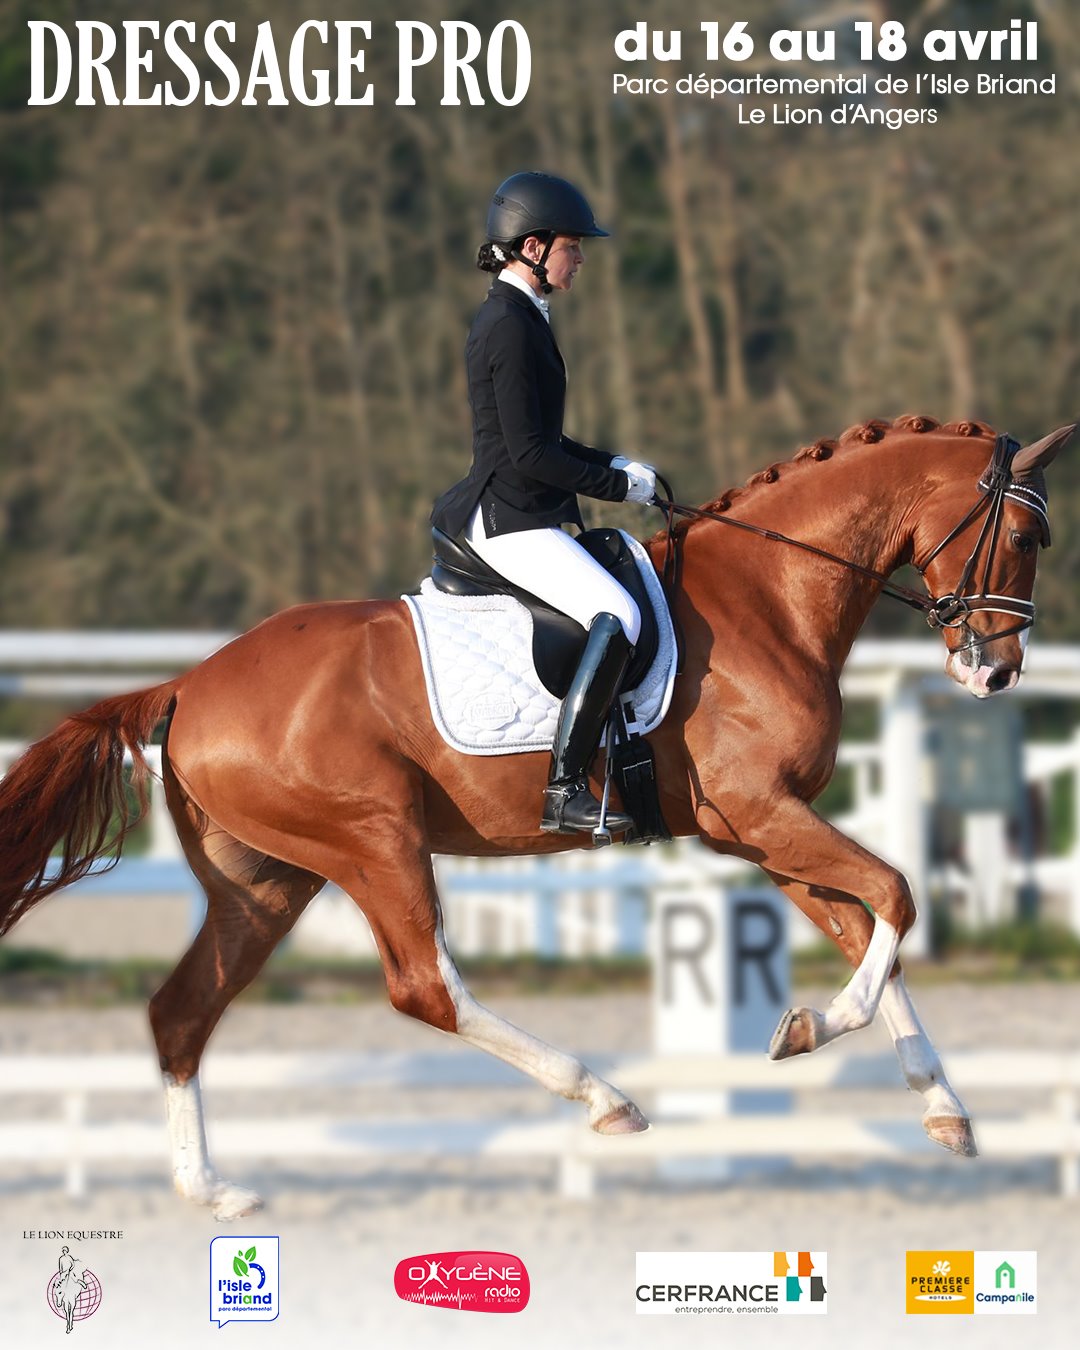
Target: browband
[{"x": 1029, "y": 489}]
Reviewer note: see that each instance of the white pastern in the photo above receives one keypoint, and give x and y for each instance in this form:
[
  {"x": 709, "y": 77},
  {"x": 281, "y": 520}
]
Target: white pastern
[
  {"x": 858, "y": 1001},
  {"x": 609, "y": 1110},
  {"x": 918, "y": 1059},
  {"x": 193, "y": 1175}
]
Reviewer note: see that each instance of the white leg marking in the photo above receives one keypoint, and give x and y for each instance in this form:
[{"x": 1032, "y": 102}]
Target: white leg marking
[
  {"x": 609, "y": 1110},
  {"x": 858, "y": 1001},
  {"x": 193, "y": 1175},
  {"x": 918, "y": 1058}
]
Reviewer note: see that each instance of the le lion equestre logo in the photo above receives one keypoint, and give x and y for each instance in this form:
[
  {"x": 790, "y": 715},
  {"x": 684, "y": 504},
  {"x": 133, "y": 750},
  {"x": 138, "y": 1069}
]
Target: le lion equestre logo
[{"x": 74, "y": 1291}]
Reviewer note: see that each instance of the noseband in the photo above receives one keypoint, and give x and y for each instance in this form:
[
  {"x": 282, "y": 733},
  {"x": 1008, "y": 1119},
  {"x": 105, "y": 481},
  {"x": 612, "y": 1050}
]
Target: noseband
[{"x": 951, "y": 610}]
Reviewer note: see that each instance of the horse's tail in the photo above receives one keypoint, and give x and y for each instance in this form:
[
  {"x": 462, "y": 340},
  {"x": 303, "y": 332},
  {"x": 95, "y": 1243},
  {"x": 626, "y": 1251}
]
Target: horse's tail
[{"x": 69, "y": 793}]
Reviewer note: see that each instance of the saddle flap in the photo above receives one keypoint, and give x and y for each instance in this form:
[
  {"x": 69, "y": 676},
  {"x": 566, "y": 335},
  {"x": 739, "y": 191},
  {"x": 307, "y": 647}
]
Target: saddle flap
[{"x": 558, "y": 640}]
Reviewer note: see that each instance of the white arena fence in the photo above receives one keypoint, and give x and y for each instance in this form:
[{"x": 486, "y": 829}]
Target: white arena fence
[{"x": 1047, "y": 1083}]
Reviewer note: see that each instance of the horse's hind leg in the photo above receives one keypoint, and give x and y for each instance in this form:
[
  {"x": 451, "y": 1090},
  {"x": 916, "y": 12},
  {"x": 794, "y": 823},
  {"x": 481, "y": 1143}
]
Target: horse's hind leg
[
  {"x": 847, "y": 922},
  {"x": 391, "y": 879},
  {"x": 252, "y": 902},
  {"x": 609, "y": 1111}
]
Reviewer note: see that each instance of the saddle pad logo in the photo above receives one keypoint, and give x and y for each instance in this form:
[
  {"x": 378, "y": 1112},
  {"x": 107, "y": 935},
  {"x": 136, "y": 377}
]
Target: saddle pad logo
[
  {"x": 491, "y": 1282},
  {"x": 490, "y": 711}
]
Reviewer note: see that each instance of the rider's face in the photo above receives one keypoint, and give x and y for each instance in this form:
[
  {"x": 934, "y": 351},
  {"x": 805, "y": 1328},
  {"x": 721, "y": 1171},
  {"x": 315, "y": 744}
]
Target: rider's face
[{"x": 563, "y": 260}]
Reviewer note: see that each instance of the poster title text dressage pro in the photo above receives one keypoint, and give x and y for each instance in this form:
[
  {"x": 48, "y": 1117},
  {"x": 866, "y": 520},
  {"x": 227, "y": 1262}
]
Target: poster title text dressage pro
[{"x": 316, "y": 64}]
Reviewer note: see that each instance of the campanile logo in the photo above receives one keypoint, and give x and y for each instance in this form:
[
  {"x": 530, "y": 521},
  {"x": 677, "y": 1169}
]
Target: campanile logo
[{"x": 491, "y": 1282}]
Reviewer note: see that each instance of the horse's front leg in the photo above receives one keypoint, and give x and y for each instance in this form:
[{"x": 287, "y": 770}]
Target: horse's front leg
[
  {"x": 794, "y": 841},
  {"x": 849, "y": 924}
]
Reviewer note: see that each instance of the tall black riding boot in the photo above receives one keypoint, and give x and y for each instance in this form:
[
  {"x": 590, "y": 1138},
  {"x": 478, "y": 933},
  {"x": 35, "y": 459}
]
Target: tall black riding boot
[{"x": 568, "y": 803}]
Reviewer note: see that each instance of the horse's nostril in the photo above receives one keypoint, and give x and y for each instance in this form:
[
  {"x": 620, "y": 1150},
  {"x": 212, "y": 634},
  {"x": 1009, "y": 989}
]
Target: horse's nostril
[{"x": 1004, "y": 677}]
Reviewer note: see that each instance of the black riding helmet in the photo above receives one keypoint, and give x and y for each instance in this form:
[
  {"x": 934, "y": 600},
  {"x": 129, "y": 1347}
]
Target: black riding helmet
[{"x": 539, "y": 204}]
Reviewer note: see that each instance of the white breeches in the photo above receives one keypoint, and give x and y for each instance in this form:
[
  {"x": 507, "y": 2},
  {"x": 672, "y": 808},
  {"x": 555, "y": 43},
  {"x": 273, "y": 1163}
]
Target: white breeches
[{"x": 556, "y": 569}]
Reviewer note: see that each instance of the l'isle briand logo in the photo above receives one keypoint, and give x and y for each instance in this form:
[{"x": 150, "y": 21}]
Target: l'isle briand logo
[
  {"x": 971, "y": 1282},
  {"x": 244, "y": 1279},
  {"x": 747, "y": 1283},
  {"x": 74, "y": 1291}
]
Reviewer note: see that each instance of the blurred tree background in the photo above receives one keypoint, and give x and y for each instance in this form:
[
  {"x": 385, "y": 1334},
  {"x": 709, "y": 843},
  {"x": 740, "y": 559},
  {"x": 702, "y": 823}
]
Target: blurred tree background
[{"x": 231, "y": 357}]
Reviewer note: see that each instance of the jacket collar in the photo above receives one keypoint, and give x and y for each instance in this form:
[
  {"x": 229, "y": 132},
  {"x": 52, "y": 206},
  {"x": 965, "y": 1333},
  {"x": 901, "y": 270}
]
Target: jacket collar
[{"x": 504, "y": 291}]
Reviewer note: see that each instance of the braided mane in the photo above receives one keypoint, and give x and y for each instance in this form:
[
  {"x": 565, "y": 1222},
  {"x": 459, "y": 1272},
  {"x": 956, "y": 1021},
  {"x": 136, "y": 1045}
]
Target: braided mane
[{"x": 864, "y": 433}]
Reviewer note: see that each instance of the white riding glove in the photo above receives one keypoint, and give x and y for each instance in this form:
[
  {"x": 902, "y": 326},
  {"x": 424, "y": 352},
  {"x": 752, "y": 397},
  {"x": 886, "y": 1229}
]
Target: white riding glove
[
  {"x": 642, "y": 482},
  {"x": 631, "y": 465}
]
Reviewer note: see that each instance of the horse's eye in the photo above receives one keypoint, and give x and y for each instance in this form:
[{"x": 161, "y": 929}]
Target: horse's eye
[{"x": 1023, "y": 543}]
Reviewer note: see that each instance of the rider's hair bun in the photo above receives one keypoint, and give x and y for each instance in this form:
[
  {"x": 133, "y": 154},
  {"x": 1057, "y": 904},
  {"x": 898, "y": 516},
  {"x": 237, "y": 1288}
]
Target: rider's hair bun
[{"x": 492, "y": 257}]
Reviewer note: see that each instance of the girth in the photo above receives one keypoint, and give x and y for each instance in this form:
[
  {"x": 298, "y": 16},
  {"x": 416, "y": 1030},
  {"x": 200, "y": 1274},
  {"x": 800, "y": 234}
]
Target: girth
[{"x": 558, "y": 640}]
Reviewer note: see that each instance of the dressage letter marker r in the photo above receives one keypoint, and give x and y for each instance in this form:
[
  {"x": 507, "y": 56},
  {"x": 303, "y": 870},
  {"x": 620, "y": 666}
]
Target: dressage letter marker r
[
  {"x": 687, "y": 918},
  {"x": 759, "y": 939}
]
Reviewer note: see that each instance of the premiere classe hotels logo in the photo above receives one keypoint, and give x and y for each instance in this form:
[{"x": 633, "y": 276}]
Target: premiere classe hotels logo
[{"x": 940, "y": 1282}]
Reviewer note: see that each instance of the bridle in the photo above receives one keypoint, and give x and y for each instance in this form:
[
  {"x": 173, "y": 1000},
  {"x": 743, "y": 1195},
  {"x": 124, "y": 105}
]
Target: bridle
[{"x": 951, "y": 610}]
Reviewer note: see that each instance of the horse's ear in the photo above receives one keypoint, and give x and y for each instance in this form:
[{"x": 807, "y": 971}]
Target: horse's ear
[{"x": 1039, "y": 455}]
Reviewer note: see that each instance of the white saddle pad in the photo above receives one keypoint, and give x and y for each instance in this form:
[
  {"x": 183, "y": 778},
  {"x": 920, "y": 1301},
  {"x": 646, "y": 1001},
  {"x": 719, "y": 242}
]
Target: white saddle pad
[{"x": 485, "y": 695}]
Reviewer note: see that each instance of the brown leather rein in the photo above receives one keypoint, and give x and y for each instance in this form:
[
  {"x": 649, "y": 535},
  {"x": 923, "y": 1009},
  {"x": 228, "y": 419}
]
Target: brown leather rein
[{"x": 947, "y": 611}]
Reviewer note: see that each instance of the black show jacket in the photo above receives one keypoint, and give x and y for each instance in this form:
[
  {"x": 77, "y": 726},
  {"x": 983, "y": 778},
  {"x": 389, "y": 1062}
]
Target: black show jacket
[{"x": 525, "y": 472}]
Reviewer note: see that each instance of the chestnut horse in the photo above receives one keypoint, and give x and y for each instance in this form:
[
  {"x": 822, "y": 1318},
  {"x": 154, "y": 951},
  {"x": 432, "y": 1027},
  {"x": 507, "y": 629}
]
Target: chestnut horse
[{"x": 305, "y": 750}]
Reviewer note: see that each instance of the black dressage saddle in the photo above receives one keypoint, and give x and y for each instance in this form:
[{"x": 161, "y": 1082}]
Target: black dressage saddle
[{"x": 558, "y": 640}]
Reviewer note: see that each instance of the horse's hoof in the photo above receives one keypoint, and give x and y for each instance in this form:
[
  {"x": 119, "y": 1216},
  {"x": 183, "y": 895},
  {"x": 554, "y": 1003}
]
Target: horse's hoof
[
  {"x": 953, "y": 1133},
  {"x": 625, "y": 1119},
  {"x": 797, "y": 1033},
  {"x": 234, "y": 1202}
]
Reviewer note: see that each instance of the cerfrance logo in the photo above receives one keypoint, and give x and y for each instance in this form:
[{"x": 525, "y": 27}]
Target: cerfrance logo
[
  {"x": 244, "y": 1279},
  {"x": 73, "y": 1292},
  {"x": 747, "y": 1283},
  {"x": 491, "y": 1282}
]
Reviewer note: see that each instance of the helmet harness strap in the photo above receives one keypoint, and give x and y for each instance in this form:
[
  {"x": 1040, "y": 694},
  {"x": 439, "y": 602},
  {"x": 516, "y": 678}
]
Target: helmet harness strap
[{"x": 538, "y": 269}]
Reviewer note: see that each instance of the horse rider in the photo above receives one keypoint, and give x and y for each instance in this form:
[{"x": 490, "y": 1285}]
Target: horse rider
[{"x": 526, "y": 474}]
